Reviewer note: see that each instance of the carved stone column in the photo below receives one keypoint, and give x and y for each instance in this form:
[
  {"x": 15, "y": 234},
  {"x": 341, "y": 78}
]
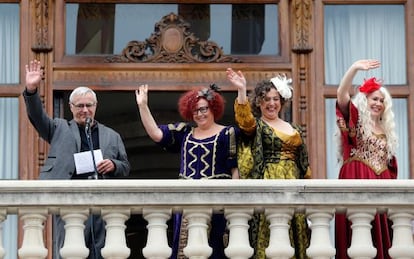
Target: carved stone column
[
  {"x": 239, "y": 246},
  {"x": 197, "y": 245},
  {"x": 320, "y": 244},
  {"x": 3, "y": 215},
  {"x": 74, "y": 246},
  {"x": 33, "y": 222},
  {"x": 279, "y": 242},
  {"x": 361, "y": 241},
  {"x": 115, "y": 242},
  {"x": 402, "y": 241},
  {"x": 157, "y": 242}
]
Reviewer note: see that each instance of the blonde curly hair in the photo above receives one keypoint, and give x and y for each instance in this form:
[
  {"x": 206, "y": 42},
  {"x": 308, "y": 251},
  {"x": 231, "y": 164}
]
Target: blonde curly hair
[{"x": 387, "y": 122}]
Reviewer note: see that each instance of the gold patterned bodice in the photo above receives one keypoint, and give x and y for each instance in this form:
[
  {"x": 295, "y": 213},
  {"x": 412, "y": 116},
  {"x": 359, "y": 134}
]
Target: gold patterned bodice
[{"x": 371, "y": 151}]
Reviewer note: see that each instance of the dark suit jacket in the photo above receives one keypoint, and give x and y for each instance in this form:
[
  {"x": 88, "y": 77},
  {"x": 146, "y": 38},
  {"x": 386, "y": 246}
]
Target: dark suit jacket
[{"x": 64, "y": 139}]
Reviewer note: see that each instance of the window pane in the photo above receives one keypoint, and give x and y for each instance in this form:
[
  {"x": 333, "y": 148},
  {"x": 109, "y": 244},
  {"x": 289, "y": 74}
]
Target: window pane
[
  {"x": 9, "y": 163},
  {"x": 9, "y": 135},
  {"x": 9, "y": 43},
  {"x": 353, "y": 32},
  {"x": 249, "y": 29},
  {"x": 332, "y": 166}
]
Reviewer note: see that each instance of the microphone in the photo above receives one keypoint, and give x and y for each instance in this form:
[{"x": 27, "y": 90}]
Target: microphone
[{"x": 88, "y": 122}]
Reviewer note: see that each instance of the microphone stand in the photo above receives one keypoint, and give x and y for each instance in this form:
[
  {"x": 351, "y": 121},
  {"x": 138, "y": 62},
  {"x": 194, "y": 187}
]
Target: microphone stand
[{"x": 90, "y": 143}]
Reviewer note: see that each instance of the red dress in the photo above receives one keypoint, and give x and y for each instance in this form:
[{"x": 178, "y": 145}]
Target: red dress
[{"x": 363, "y": 159}]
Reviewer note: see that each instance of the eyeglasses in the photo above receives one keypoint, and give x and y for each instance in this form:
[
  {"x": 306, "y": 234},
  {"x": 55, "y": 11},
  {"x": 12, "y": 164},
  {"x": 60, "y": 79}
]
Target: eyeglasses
[
  {"x": 80, "y": 106},
  {"x": 202, "y": 110}
]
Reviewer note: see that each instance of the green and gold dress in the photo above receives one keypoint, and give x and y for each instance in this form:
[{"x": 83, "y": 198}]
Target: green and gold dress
[{"x": 266, "y": 153}]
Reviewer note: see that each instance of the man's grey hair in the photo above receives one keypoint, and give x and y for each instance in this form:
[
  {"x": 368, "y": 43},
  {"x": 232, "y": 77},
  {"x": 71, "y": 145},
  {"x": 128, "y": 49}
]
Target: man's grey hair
[{"x": 80, "y": 91}]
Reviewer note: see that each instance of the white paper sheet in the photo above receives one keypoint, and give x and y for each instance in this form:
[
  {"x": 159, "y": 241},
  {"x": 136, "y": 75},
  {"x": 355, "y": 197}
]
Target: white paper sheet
[{"x": 84, "y": 161}]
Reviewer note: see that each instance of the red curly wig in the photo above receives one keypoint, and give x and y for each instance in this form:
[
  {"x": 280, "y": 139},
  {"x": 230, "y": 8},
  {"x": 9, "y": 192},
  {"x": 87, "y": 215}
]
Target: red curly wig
[{"x": 188, "y": 103}]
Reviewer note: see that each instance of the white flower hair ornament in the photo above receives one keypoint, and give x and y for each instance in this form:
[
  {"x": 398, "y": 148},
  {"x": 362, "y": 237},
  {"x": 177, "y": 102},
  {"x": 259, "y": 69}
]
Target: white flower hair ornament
[{"x": 283, "y": 85}]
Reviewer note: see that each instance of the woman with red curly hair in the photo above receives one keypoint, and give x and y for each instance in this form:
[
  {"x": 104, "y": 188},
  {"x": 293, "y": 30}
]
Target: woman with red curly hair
[
  {"x": 366, "y": 148},
  {"x": 208, "y": 149}
]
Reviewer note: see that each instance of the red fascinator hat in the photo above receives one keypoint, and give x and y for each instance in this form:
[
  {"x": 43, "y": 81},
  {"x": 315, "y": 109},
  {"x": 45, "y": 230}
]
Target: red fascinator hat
[{"x": 370, "y": 85}]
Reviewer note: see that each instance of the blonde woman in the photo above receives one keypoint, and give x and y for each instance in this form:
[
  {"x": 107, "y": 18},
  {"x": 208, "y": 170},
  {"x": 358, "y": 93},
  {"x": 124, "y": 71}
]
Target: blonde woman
[{"x": 367, "y": 145}]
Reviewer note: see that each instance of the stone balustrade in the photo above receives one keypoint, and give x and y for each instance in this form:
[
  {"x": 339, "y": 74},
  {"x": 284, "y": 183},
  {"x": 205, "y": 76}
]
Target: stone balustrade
[{"x": 156, "y": 200}]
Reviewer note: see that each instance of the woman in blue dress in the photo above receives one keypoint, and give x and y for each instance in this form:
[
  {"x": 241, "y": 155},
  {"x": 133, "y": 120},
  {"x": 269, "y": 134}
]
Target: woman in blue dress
[{"x": 208, "y": 150}]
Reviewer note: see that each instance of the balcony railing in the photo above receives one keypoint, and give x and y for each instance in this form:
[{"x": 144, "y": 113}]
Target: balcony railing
[{"x": 156, "y": 200}]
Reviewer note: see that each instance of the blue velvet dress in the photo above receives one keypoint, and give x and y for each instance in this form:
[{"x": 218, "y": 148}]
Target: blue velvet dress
[{"x": 209, "y": 158}]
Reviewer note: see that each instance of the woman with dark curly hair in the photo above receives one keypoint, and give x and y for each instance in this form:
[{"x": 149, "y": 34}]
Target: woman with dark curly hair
[
  {"x": 271, "y": 148},
  {"x": 208, "y": 149}
]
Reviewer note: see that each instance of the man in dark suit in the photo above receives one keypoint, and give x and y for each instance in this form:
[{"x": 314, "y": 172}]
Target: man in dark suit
[{"x": 67, "y": 138}]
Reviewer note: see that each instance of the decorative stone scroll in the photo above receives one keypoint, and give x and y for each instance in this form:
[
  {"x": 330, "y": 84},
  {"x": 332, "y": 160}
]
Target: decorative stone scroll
[{"x": 172, "y": 42}]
